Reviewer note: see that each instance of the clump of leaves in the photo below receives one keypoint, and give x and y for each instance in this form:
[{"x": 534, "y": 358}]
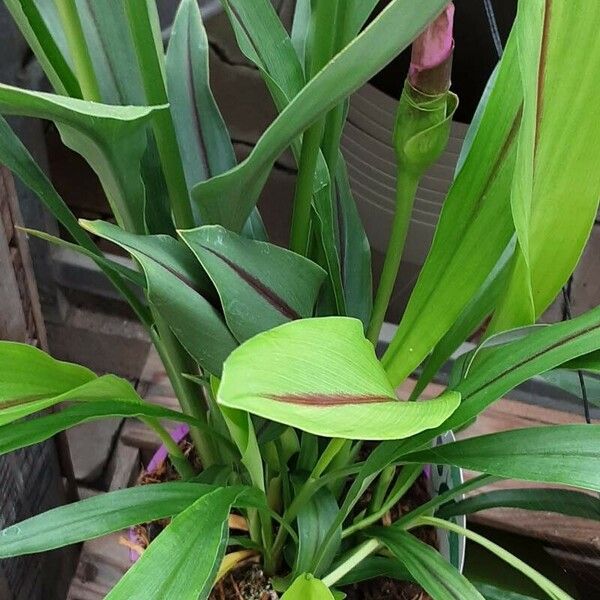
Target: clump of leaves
[{"x": 271, "y": 350}]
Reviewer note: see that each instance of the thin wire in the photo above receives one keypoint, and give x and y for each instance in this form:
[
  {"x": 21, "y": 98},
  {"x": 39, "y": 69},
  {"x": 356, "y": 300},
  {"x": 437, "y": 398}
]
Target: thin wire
[
  {"x": 567, "y": 316},
  {"x": 494, "y": 31}
]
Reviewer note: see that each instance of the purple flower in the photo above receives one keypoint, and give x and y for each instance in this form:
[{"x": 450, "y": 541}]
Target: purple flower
[{"x": 431, "y": 58}]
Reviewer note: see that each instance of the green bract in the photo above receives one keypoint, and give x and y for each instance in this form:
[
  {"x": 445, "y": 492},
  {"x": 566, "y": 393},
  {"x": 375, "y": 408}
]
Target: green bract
[{"x": 272, "y": 351}]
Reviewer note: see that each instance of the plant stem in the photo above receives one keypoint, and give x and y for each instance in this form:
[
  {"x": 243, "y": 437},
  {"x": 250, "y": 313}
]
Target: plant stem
[
  {"x": 406, "y": 189},
  {"x": 322, "y": 46},
  {"x": 176, "y": 362},
  {"x": 405, "y": 480},
  {"x": 355, "y": 557},
  {"x": 84, "y": 68},
  {"x": 180, "y": 462},
  {"x": 156, "y": 94}
]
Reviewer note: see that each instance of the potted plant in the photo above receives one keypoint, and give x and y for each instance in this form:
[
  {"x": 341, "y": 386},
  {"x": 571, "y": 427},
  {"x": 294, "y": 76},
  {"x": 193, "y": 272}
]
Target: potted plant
[{"x": 271, "y": 351}]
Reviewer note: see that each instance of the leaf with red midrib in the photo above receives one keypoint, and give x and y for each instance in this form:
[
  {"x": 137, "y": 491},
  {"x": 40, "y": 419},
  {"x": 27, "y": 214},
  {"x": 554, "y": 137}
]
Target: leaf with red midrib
[{"x": 322, "y": 376}]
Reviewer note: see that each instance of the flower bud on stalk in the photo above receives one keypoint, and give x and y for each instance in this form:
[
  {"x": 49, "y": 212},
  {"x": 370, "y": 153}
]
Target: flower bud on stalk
[
  {"x": 426, "y": 105},
  {"x": 421, "y": 133}
]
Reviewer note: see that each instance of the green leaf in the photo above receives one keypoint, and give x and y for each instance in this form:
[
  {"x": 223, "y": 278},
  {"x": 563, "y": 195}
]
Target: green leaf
[
  {"x": 474, "y": 229},
  {"x": 260, "y": 285},
  {"x": 556, "y": 157},
  {"x": 306, "y": 587},
  {"x": 355, "y": 251},
  {"x": 111, "y": 138},
  {"x": 314, "y": 520},
  {"x": 112, "y": 51},
  {"x": 206, "y": 148},
  {"x": 545, "y": 584},
  {"x": 565, "y": 502},
  {"x": 322, "y": 376},
  {"x": 568, "y": 381},
  {"x": 358, "y": 12},
  {"x": 184, "y": 559},
  {"x": 427, "y": 566},
  {"x": 197, "y": 325},
  {"x": 25, "y": 433},
  {"x": 393, "y": 30},
  {"x": 130, "y": 275},
  {"x": 28, "y": 373},
  {"x": 169, "y": 253},
  {"x": 32, "y": 25},
  {"x": 300, "y": 28},
  {"x": 563, "y": 454},
  {"x": 97, "y": 516},
  {"x": 479, "y": 307}
]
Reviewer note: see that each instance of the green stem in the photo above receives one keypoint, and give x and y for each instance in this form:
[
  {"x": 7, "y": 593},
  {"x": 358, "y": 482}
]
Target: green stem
[
  {"x": 82, "y": 61},
  {"x": 405, "y": 480},
  {"x": 406, "y": 189},
  {"x": 322, "y": 47},
  {"x": 178, "y": 459},
  {"x": 355, "y": 558},
  {"x": 300, "y": 231},
  {"x": 176, "y": 362},
  {"x": 156, "y": 94}
]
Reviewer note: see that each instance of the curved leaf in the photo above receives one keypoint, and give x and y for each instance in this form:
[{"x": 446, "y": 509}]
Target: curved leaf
[
  {"x": 97, "y": 516},
  {"x": 427, "y": 566},
  {"x": 183, "y": 561},
  {"x": 322, "y": 376},
  {"x": 565, "y": 502},
  {"x": 261, "y": 285},
  {"x": 111, "y": 138},
  {"x": 564, "y": 454},
  {"x": 26, "y": 433}
]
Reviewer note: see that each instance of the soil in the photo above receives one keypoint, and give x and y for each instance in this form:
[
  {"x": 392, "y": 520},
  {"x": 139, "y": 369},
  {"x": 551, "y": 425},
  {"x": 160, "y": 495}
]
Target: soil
[{"x": 248, "y": 582}]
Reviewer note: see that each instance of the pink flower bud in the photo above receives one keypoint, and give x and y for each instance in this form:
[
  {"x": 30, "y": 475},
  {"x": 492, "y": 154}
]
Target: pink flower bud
[{"x": 431, "y": 58}]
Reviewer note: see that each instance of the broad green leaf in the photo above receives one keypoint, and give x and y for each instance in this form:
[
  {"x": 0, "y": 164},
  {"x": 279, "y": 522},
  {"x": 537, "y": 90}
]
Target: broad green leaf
[
  {"x": 322, "y": 376},
  {"x": 260, "y": 285},
  {"x": 204, "y": 142},
  {"x": 307, "y": 587},
  {"x": 34, "y": 29},
  {"x": 474, "y": 229},
  {"x": 393, "y": 30},
  {"x": 130, "y": 275},
  {"x": 355, "y": 251},
  {"x": 112, "y": 51},
  {"x": 23, "y": 394},
  {"x": 26, "y": 433},
  {"x": 586, "y": 362},
  {"x": 265, "y": 42},
  {"x": 27, "y": 374},
  {"x": 111, "y": 138},
  {"x": 300, "y": 28},
  {"x": 183, "y": 561},
  {"x": 563, "y": 454},
  {"x": 169, "y": 253},
  {"x": 97, "y": 516},
  {"x": 569, "y": 381},
  {"x": 492, "y": 592},
  {"x": 427, "y": 566},
  {"x": 545, "y": 584},
  {"x": 263, "y": 39},
  {"x": 479, "y": 307},
  {"x": 566, "y": 502},
  {"x": 557, "y": 156},
  {"x": 197, "y": 325},
  {"x": 16, "y": 157},
  {"x": 314, "y": 520},
  {"x": 359, "y": 12}
]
